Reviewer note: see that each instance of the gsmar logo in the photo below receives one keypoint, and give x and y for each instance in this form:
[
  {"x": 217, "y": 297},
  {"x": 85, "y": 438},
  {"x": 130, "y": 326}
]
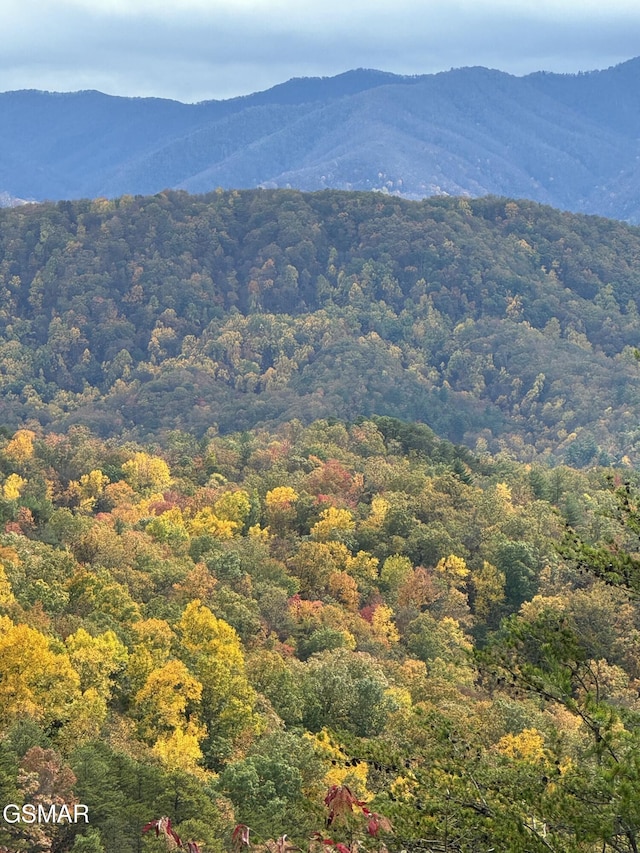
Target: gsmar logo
[{"x": 31, "y": 813}]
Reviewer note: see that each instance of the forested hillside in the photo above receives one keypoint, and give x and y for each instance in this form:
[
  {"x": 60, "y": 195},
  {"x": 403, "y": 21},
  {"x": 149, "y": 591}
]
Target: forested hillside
[
  {"x": 270, "y": 633},
  {"x": 503, "y": 325},
  {"x": 570, "y": 140},
  {"x": 250, "y": 602}
]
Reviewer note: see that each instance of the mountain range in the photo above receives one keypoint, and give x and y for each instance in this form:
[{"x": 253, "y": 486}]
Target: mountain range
[{"x": 569, "y": 140}]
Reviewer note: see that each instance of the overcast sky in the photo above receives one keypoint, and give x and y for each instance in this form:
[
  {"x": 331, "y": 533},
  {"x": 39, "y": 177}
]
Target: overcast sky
[{"x": 194, "y": 50}]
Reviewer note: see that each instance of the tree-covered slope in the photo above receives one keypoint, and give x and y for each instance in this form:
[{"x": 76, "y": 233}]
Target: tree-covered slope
[
  {"x": 296, "y": 633},
  {"x": 566, "y": 140},
  {"x": 495, "y": 321}
]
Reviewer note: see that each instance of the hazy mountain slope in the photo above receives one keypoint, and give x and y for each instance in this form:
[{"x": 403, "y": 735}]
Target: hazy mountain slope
[
  {"x": 609, "y": 98},
  {"x": 566, "y": 140},
  {"x": 472, "y": 132},
  {"x": 70, "y": 145}
]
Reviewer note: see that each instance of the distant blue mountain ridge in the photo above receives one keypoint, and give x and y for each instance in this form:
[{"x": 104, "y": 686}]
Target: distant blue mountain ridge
[{"x": 569, "y": 140}]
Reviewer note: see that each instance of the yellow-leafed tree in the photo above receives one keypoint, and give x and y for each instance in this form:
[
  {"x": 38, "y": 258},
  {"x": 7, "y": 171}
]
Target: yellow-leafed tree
[
  {"x": 280, "y": 507},
  {"x": 35, "y": 680},
  {"x": 171, "y": 695},
  {"x": 21, "y": 445},
  {"x": 334, "y": 523},
  {"x": 12, "y": 487},
  {"x": 96, "y": 659},
  {"x": 213, "y": 652},
  {"x": 146, "y": 473}
]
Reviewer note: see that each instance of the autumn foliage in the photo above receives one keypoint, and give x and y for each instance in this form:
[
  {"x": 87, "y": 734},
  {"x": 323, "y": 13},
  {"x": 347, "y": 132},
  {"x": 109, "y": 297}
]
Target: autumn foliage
[{"x": 326, "y": 639}]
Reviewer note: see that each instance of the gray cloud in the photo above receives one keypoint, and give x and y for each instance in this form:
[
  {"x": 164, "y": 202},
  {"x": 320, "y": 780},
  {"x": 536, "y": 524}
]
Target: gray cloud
[{"x": 192, "y": 51}]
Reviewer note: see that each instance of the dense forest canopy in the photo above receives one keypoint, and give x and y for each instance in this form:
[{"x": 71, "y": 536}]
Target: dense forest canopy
[
  {"x": 250, "y": 600},
  {"x": 504, "y": 325},
  {"x": 297, "y": 632}
]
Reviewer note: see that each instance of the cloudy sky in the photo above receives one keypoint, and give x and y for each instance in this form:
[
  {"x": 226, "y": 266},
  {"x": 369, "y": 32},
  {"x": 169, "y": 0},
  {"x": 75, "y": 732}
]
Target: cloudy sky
[{"x": 193, "y": 50}]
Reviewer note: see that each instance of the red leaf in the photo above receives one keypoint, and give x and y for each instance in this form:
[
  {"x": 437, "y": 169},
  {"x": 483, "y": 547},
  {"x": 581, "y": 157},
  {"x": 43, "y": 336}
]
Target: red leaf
[
  {"x": 163, "y": 826},
  {"x": 376, "y": 823},
  {"x": 240, "y": 836},
  {"x": 340, "y": 802}
]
